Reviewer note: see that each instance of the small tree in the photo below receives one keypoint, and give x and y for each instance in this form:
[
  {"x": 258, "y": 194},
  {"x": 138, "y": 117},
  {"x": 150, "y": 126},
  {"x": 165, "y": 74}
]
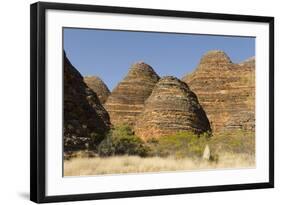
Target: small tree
[{"x": 122, "y": 141}]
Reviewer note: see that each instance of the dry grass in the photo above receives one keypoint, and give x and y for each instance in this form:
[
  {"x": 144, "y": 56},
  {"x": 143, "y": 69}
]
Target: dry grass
[{"x": 134, "y": 164}]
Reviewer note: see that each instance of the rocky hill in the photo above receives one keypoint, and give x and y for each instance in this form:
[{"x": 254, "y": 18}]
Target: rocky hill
[
  {"x": 127, "y": 99},
  {"x": 98, "y": 86},
  {"x": 171, "y": 107},
  {"x": 85, "y": 119},
  {"x": 225, "y": 90}
]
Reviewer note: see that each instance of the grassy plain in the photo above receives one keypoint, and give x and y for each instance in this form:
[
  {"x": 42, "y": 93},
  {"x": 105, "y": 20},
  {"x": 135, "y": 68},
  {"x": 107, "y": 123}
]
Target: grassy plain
[
  {"x": 135, "y": 164},
  {"x": 123, "y": 152}
]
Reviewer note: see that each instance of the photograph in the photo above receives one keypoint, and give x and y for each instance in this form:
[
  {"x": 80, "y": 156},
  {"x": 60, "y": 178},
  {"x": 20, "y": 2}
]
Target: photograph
[
  {"x": 134, "y": 102},
  {"x": 137, "y": 102}
]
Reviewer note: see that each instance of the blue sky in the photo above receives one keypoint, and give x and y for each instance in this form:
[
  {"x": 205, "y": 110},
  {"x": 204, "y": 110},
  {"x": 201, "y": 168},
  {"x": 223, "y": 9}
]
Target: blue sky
[{"x": 109, "y": 54}]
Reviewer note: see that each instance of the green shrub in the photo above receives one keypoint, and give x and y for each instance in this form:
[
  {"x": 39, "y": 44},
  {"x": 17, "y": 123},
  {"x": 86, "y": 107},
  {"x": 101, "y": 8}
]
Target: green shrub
[
  {"x": 122, "y": 141},
  {"x": 188, "y": 144},
  {"x": 122, "y": 130},
  {"x": 95, "y": 140},
  {"x": 179, "y": 145},
  {"x": 106, "y": 147},
  {"x": 235, "y": 141}
]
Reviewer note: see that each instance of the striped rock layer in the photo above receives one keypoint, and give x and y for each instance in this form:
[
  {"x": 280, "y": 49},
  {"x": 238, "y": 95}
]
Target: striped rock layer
[
  {"x": 127, "y": 99},
  {"x": 98, "y": 86},
  {"x": 225, "y": 90},
  {"x": 172, "y": 107}
]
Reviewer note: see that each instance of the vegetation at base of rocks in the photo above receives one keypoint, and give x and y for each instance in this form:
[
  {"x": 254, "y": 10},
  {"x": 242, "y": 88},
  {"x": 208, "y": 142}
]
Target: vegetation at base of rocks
[
  {"x": 122, "y": 141},
  {"x": 123, "y": 152},
  {"x": 68, "y": 155},
  {"x": 179, "y": 145},
  {"x": 96, "y": 139},
  {"x": 235, "y": 141}
]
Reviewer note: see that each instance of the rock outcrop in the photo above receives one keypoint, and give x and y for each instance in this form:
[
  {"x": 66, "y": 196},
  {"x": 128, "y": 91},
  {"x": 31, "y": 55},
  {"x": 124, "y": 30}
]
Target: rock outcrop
[
  {"x": 98, "y": 86},
  {"x": 171, "y": 107},
  {"x": 225, "y": 90},
  {"x": 85, "y": 119},
  {"x": 127, "y": 100}
]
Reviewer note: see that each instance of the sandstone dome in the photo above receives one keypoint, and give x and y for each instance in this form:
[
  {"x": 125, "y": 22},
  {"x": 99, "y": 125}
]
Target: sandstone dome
[
  {"x": 171, "y": 107},
  {"x": 127, "y": 99},
  {"x": 215, "y": 58},
  {"x": 248, "y": 64},
  {"x": 98, "y": 86},
  {"x": 225, "y": 90}
]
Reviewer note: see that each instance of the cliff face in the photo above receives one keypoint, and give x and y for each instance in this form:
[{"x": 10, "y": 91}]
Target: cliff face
[
  {"x": 98, "y": 86},
  {"x": 84, "y": 116},
  {"x": 225, "y": 90},
  {"x": 127, "y": 100},
  {"x": 171, "y": 107}
]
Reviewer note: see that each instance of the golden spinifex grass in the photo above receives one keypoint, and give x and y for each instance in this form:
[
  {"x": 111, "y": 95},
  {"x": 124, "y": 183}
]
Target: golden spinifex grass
[{"x": 135, "y": 164}]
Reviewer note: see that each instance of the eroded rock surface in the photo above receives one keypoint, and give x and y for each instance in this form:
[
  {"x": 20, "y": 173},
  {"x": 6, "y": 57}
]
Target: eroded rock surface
[
  {"x": 171, "y": 107},
  {"x": 98, "y": 86},
  {"x": 127, "y": 99},
  {"x": 85, "y": 119},
  {"x": 225, "y": 90}
]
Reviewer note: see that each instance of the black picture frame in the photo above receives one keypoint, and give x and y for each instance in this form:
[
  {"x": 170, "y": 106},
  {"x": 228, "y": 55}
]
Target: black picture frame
[{"x": 38, "y": 103}]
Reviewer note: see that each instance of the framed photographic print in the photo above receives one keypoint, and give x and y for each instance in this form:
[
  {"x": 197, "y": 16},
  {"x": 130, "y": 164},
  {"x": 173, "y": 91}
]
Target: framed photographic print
[{"x": 129, "y": 102}]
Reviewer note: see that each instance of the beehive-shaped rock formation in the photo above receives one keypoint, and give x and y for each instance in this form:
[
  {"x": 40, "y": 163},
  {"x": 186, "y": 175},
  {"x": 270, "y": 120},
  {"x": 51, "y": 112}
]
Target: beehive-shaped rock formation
[
  {"x": 225, "y": 90},
  {"x": 171, "y": 107},
  {"x": 248, "y": 65},
  {"x": 98, "y": 86},
  {"x": 127, "y": 100},
  {"x": 84, "y": 116}
]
